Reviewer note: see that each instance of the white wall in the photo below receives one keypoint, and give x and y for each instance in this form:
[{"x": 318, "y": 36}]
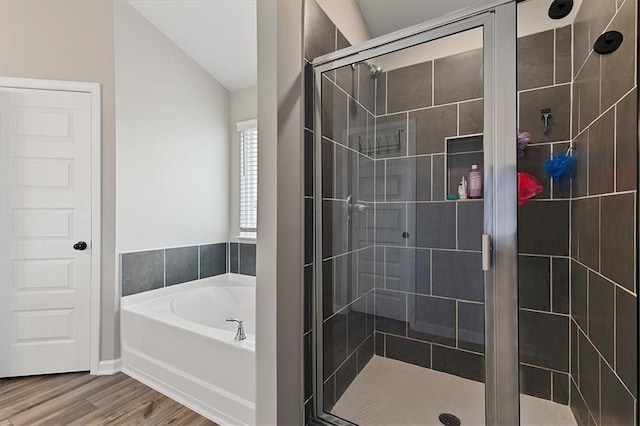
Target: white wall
[
  {"x": 172, "y": 128},
  {"x": 243, "y": 105}
]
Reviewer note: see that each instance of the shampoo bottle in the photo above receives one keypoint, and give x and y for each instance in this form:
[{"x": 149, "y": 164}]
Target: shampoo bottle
[
  {"x": 475, "y": 182},
  {"x": 462, "y": 189}
]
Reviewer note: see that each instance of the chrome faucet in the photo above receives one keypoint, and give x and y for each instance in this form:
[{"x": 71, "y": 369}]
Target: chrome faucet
[{"x": 240, "y": 336}]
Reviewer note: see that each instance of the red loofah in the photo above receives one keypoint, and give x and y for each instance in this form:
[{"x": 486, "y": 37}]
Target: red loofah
[{"x": 528, "y": 187}]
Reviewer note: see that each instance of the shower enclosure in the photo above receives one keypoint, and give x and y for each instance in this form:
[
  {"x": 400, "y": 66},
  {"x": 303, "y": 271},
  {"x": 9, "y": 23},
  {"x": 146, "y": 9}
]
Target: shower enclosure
[{"x": 406, "y": 269}]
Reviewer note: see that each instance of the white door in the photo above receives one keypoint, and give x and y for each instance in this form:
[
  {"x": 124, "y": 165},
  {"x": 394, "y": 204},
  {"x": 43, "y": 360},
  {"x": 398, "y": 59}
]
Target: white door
[{"x": 45, "y": 209}]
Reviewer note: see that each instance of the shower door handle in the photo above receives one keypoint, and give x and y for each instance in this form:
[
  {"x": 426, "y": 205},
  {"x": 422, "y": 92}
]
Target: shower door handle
[{"x": 486, "y": 252}]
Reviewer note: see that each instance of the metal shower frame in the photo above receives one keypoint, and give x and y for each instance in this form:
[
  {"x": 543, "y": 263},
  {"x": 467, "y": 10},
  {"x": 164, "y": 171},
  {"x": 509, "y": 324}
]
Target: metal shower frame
[{"x": 498, "y": 20}]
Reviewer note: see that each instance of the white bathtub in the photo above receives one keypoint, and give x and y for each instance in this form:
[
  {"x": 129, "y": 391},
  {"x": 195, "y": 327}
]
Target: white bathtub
[{"x": 176, "y": 340}]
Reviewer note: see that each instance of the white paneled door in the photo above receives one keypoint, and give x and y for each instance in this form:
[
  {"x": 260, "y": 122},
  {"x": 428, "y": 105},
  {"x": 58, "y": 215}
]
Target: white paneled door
[{"x": 45, "y": 231}]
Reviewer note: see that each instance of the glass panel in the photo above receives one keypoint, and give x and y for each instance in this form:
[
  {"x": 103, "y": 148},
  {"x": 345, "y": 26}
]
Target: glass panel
[
  {"x": 577, "y": 297},
  {"x": 403, "y": 287}
]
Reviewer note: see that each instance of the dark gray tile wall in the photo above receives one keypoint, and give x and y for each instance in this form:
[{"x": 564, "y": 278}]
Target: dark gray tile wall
[
  {"x": 604, "y": 316},
  {"x": 149, "y": 270}
]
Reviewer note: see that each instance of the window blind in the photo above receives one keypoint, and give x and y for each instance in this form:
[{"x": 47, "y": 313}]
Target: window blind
[{"x": 248, "y": 177}]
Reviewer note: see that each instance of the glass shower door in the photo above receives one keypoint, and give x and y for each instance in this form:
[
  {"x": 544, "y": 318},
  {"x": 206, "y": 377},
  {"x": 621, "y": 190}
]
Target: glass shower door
[{"x": 405, "y": 166}]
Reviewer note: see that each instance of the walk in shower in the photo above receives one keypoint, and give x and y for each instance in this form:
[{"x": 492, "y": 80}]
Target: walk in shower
[{"x": 427, "y": 303}]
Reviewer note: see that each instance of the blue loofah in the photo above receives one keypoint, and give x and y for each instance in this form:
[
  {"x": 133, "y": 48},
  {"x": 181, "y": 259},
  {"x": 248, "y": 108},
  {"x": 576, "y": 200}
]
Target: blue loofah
[{"x": 561, "y": 166}]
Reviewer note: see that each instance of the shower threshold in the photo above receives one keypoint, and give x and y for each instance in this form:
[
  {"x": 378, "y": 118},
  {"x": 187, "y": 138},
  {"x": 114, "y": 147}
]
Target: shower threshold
[{"x": 389, "y": 392}]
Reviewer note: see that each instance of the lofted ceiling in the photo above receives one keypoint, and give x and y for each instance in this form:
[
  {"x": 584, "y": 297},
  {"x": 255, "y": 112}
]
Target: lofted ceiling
[
  {"x": 383, "y": 17},
  {"x": 219, "y": 35}
]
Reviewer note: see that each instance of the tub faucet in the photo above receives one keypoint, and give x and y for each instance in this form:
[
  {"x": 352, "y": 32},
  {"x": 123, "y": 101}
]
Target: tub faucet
[{"x": 240, "y": 336}]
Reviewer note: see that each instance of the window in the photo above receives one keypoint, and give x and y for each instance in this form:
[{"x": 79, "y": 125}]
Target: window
[{"x": 248, "y": 178}]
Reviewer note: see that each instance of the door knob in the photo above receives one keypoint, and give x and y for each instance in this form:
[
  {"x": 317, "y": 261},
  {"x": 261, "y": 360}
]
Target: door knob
[{"x": 80, "y": 245}]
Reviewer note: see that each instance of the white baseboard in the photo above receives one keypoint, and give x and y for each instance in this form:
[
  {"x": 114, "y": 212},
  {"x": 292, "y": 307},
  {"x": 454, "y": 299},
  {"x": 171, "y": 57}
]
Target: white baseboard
[{"x": 109, "y": 367}]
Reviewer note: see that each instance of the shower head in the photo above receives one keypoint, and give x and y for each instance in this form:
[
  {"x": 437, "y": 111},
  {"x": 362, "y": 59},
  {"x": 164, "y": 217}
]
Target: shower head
[{"x": 375, "y": 71}]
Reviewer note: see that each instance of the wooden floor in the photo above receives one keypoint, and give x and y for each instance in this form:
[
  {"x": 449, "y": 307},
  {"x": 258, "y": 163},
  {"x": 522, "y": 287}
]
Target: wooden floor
[{"x": 81, "y": 399}]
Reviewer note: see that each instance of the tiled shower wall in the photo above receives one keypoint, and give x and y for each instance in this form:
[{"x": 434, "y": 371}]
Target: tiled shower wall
[
  {"x": 152, "y": 269},
  {"x": 429, "y": 295},
  {"x": 544, "y": 82},
  {"x": 604, "y": 357}
]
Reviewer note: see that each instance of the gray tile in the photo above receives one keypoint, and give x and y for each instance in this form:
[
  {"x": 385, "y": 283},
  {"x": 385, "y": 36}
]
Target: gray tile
[
  {"x": 618, "y": 239},
  {"x": 585, "y": 231},
  {"x": 380, "y": 171},
  {"x": 308, "y": 163},
  {"x": 365, "y": 353},
  {"x": 213, "y": 260},
  {"x": 341, "y": 41},
  {"x": 601, "y": 315},
  {"x": 535, "y": 382},
  {"x": 308, "y": 95},
  {"x": 390, "y": 224},
  {"x": 544, "y": 228},
  {"x": 142, "y": 271},
  {"x": 433, "y": 225},
  {"x": 578, "y": 406},
  {"x": 579, "y": 294},
  {"x": 532, "y": 161},
  {"x": 458, "y": 77},
  {"x": 391, "y": 126},
  {"x": 345, "y": 280},
  {"x": 356, "y": 324},
  {"x": 581, "y": 154},
  {"x": 409, "y": 87},
  {"x": 562, "y": 188},
  {"x": 410, "y": 351},
  {"x": 544, "y": 340},
  {"x": 358, "y": 136},
  {"x": 471, "y": 117},
  {"x": 319, "y": 34},
  {"x": 589, "y": 383},
  {"x": 618, "y": 406},
  {"x": 599, "y": 14},
  {"x": 309, "y": 238},
  {"x": 347, "y": 80},
  {"x": 334, "y": 342},
  {"x": 379, "y": 343},
  {"x": 366, "y": 88},
  {"x": 534, "y": 283},
  {"x": 234, "y": 257},
  {"x": 438, "y": 190},
  {"x": 334, "y": 112},
  {"x": 381, "y": 94},
  {"x": 432, "y": 127},
  {"x": 248, "y": 259},
  {"x": 586, "y": 89},
  {"x": 627, "y": 143},
  {"x": 558, "y": 99},
  {"x": 459, "y": 363},
  {"x": 560, "y": 388},
  {"x": 408, "y": 179},
  {"x": 334, "y": 228},
  {"x": 563, "y": 55},
  {"x": 618, "y": 68},
  {"x": 627, "y": 339},
  {"x": 366, "y": 178},
  {"x": 535, "y": 60},
  {"x": 367, "y": 270},
  {"x": 457, "y": 275},
  {"x": 560, "y": 284},
  {"x": 581, "y": 44},
  {"x": 471, "y": 326},
  {"x": 601, "y": 155},
  {"x": 345, "y": 374},
  {"x": 470, "y": 224},
  {"x": 391, "y": 312},
  {"x": 308, "y": 298},
  {"x": 407, "y": 270},
  {"x": 432, "y": 319},
  {"x": 182, "y": 265},
  {"x": 329, "y": 393}
]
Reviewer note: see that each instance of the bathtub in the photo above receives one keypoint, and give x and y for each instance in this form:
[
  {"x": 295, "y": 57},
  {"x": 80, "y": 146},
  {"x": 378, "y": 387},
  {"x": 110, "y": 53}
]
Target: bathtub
[{"x": 176, "y": 340}]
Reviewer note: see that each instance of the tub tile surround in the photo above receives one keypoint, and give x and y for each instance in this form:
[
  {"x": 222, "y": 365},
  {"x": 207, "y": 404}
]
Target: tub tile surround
[
  {"x": 604, "y": 361},
  {"x": 149, "y": 270}
]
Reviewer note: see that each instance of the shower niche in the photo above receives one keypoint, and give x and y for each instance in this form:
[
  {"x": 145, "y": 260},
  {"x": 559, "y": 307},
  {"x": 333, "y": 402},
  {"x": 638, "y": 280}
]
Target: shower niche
[{"x": 462, "y": 153}]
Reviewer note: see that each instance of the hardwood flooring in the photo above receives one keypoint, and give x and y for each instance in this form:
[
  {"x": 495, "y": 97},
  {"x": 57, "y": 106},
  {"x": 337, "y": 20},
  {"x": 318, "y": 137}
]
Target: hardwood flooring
[{"x": 80, "y": 399}]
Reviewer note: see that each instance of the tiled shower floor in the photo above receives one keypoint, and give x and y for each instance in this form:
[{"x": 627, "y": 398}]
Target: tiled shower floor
[{"x": 392, "y": 393}]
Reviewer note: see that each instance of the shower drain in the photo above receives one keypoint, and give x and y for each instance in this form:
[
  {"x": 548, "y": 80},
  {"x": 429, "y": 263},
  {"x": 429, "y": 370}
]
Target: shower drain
[{"x": 448, "y": 419}]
